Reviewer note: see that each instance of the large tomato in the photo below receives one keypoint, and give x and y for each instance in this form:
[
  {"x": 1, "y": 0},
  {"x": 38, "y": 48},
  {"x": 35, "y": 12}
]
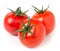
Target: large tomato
[
  {"x": 12, "y": 20},
  {"x": 46, "y": 17},
  {"x": 31, "y": 34}
]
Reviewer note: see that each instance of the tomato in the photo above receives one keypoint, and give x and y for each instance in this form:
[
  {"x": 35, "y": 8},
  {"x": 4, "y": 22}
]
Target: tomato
[
  {"x": 45, "y": 17},
  {"x": 33, "y": 34},
  {"x": 12, "y": 20}
]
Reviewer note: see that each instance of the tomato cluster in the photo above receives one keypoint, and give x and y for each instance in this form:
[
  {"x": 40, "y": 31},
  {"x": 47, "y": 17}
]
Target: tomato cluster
[{"x": 31, "y": 31}]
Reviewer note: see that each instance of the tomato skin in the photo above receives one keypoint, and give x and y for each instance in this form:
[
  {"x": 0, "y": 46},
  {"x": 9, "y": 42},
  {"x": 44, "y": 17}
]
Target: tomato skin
[
  {"x": 36, "y": 37},
  {"x": 12, "y": 22},
  {"x": 48, "y": 19}
]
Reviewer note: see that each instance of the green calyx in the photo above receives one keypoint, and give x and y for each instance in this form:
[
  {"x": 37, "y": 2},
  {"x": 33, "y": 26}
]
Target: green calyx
[
  {"x": 25, "y": 29},
  {"x": 40, "y": 11},
  {"x": 18, "y": 11}
]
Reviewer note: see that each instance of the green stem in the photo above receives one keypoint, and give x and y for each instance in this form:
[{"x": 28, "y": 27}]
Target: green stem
[
  {"x": 25, "y": 29},
  {"x": 18, "y": 11},
  {"x": 40, "y": 11}
]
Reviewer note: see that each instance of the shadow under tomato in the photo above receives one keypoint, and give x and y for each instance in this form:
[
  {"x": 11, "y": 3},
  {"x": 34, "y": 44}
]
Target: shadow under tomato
[{"x": 47, "y": 39}]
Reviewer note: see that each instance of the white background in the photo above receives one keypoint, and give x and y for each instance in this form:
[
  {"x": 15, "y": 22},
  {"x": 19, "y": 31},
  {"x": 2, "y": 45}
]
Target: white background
[{"x": 12, "y": 43}]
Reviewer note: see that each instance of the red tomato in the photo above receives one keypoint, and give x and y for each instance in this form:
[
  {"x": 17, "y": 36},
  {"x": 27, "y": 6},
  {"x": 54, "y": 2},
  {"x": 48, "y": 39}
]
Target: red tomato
[
  {"x": 33, "y": 37},
  {"x": 12, "y": 20},
  {"x": 46, "y": 17}
]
